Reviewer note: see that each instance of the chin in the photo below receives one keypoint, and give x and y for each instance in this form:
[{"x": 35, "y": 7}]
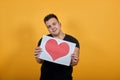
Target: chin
[{"x": 54, "y": 34}]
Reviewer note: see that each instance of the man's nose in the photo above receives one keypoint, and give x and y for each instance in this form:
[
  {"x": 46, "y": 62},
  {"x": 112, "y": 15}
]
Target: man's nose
[{"x": 52, "y": 27}]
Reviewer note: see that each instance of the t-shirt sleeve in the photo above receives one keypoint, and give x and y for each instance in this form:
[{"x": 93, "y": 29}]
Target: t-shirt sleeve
[
  {"x": 77, "y": 43},
  {"x": 72, "y": 39},
  {"x": 39, "y": 42}
]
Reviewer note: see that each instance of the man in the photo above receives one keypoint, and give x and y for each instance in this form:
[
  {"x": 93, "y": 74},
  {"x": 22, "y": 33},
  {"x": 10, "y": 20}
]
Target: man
[{"x": 53, "y": 71}]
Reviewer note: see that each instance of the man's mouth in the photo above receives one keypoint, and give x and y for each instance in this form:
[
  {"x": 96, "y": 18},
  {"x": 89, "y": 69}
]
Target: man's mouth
[{"x": 54, "y": 30}]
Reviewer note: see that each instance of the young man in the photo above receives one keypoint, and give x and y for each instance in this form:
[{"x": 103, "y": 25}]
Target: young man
[{"x": 53, "y": 71}]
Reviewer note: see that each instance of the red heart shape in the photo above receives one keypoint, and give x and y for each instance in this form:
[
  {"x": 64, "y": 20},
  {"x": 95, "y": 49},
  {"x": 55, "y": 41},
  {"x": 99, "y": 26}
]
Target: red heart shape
[{"x": 56, "y": 51}]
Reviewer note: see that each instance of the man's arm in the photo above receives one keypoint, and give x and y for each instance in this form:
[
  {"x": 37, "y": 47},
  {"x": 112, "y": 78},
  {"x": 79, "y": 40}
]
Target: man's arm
[
  {"x": 75, "y": 57},
  {"x": 37, "y": 53}
]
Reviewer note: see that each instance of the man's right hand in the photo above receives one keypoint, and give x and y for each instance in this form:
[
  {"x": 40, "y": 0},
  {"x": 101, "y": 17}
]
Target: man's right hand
[{"x": 37, "y": 52}]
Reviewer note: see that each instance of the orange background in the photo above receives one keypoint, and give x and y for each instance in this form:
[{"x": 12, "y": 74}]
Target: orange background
[{"x": 95, "y": 23}]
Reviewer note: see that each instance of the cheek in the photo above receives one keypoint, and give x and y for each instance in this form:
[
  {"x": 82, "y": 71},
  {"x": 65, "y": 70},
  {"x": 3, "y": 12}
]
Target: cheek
[{"x": 49, "y": 30}]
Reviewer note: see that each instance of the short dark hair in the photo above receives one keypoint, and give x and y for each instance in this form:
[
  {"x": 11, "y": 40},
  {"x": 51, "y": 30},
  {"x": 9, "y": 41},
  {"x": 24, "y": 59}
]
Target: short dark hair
[{"x": 49, "y": 16}]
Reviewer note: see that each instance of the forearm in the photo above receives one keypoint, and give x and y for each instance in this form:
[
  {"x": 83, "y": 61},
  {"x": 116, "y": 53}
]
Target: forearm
[
  {"x": 75, "y": 57},
  {"x": 39, "y": 60}
]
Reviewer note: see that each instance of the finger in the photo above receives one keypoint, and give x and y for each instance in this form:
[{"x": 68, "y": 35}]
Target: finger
[
  {"x": 37, "y": 51},
  {"x": 36, "y": 54},
  {"x": 75, "y": 61},
  {"x": 75, "y": 55},
  {"x": 38, "y": 48},
  {"x": 76, "y": 58}
]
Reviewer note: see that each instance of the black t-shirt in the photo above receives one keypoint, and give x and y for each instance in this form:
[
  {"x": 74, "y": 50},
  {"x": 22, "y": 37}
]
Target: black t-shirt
[{"x": 53, "y": 71}]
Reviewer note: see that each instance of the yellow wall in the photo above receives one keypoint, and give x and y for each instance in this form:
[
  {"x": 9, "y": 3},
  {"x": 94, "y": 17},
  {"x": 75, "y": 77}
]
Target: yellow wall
[{"x": 95, "y": 23}]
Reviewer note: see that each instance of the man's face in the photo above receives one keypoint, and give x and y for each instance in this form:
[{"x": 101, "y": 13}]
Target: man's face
[{"x": 53, "y": 26}]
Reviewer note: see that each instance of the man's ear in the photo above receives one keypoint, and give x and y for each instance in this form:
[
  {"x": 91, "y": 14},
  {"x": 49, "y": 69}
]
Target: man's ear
[{"x": 60, "y": 24}]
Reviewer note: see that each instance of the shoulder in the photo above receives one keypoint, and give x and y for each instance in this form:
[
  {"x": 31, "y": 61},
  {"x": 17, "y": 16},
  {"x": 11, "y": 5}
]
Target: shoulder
[
  {"x": 72, "y": 39},
  {"x": 69, "y": 36},
  {"x": 39, "y": 42}
]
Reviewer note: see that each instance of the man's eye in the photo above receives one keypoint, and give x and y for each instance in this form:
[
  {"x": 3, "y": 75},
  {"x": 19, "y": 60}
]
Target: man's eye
[
  {"x": 48, "y": 26},
  {"x": 54, "y": 23}
]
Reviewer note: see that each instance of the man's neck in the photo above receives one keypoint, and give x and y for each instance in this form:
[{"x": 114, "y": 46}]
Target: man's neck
[{"x": 60, "y": 36}]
